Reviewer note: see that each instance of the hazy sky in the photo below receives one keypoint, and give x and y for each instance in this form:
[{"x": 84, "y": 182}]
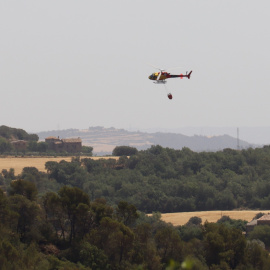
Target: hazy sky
[{"x": 76, "y": 64}]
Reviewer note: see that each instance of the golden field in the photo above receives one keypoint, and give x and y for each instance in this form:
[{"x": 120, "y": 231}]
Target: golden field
[
  {"x": 211, "y": 216},
  {"x": 18, "y": 163}
]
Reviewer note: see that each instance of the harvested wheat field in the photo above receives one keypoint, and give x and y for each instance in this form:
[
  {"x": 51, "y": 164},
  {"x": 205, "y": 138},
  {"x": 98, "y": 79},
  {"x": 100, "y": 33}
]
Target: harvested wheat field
[
  {"x": 211, "y": 216},
  {"x": 18, "y": 163}
]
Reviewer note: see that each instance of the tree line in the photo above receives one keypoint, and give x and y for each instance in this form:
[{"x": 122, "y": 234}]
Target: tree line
[
  {"x": 167, "y": 180},
  {"x": 33, "y": 147}
]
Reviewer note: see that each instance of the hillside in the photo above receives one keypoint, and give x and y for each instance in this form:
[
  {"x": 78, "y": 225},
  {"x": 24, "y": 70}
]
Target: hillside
[
  {"x": 104, "y": 140},
  {"x": 16, "y": 134}
]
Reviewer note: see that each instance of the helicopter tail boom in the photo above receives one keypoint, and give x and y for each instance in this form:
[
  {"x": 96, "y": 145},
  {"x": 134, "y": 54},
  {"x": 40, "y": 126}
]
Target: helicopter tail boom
[{"x": 181, "y": 76}]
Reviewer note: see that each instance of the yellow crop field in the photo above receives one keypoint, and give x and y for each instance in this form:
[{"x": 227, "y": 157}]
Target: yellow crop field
[
  {"x": 18, "y": 163},
  {"x": 211, "y": 216}
]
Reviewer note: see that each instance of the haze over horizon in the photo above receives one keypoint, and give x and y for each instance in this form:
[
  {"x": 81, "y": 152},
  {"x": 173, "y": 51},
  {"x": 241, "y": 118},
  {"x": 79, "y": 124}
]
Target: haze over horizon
[
  {"x": 254, "y": 135},
  {"x": 67, "y": 64}
]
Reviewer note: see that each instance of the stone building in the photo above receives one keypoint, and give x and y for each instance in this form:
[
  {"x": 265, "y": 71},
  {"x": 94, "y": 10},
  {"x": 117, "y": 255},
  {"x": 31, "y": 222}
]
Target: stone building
[
  {"x": 250, "y": 225},
  {"x": 264, "y": 220},
  {"x": 73, "y": 145},
  {"x": 19, "y": 145}
]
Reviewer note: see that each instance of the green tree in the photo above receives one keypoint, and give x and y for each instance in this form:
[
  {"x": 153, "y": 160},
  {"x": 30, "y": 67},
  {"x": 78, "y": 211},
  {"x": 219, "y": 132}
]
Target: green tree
[
  {"x": 70, "y": 204},
  {"x": 32, "y": 146},
  {"x": 28, "y": 212},
  {"x": 190, "y": 231},
  {"x": 261, "y": 232},
  {"x": 101, "y": 210},
  {"x": 126, "y": 213},
  {"x": 9, "y": 174},
  {"x": 194, "y": 221},
  {"x": 87, "y": 150},
  {"x": 114, "y": 238},
  {"x": 9, "y": 255},
  {"x": 144, "y": 248},
  {"x": 42, "y": 147},
  {"x": 169, "y": 244},
  {"x": 55, "y": 215},
  {"x": 5, "y": 145},
  {"x": 51, "y": 167},
  {"x": 257, "y": 257},
  {"x": 223, "y": 245},
  {"x": 95, "y": 258},
  {"x": 235, "y": 223},
  {"x": 24, "y": 188},
  {"x": 124, "y": 151},
  {"x": 7, "y": 217},
  {"x": 67, "y": 173}
]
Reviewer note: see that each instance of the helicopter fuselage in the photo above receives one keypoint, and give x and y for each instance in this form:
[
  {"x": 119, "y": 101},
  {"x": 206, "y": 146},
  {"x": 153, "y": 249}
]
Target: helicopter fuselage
[
  {"x": 165, "y": 75},
  {"x": 160, "y": 78}
]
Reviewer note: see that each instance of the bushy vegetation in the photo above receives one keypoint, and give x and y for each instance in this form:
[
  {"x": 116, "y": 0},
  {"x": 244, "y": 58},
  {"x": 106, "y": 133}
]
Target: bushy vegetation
[
  {"x": 66, "y": 230},
  {"x": 124, "y": 151}
]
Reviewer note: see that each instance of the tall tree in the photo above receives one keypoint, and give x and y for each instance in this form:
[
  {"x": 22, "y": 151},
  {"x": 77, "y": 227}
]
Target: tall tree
[
  {"x": 126, "y": 213},
  {"x": 70, "y": 204},
  {"x": 25, "y": 188}
]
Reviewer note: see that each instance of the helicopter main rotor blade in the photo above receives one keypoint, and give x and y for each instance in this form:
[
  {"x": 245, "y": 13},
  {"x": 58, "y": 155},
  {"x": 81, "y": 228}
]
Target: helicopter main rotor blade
[
  {"x": 161, "y": 69},
  {"x": 159, "y": 75},
  {"x": 174, "y": 68},
  {"x": 164, "y": 69}
]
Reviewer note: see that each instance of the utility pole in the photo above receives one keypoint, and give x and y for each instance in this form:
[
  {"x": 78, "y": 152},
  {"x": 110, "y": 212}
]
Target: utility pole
[{"x": 238, "y": 142}]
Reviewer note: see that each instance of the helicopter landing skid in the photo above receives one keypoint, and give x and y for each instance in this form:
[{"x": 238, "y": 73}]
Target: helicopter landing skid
[{"x": 160, "y": 82}]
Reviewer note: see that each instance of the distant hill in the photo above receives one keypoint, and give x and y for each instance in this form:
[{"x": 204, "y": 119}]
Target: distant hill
[
  {"x": 104, "y": 140},
  {"x": 16, "y": 134}
]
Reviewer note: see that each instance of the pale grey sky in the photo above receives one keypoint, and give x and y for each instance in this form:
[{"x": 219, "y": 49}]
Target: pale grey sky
[{"x": 75, "y": 64}]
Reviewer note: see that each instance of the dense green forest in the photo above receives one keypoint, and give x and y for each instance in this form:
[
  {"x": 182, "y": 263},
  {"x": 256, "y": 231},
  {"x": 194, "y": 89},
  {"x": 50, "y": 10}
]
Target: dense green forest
[
  {"x": 66, "y": 230},
  {"x": 89, "y": 214},
  {"x": 167, "y": 180}
]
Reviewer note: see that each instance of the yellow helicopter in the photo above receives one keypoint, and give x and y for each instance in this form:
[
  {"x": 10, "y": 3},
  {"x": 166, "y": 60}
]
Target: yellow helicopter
[{"x": 162, "y": 76}]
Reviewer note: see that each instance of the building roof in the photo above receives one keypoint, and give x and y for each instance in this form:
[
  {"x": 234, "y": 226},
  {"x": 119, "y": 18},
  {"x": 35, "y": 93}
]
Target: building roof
[
  {"x": 77, "y": 140},
  {"x": 264, "y": 217},
  {"x": 252, "y": 223},
  {"x": 51, "y": 137},
  {"x": 18, "y": 141}
]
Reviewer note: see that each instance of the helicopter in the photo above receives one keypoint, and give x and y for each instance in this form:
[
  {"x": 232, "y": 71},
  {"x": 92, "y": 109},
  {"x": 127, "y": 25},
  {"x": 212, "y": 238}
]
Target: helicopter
[{"x": 160, "y": 78}]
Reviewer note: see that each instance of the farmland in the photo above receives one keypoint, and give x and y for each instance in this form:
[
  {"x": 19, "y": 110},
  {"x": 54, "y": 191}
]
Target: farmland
[
  {"x": 211, "y": 216},
  {"x": 18, "y": 163}
]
